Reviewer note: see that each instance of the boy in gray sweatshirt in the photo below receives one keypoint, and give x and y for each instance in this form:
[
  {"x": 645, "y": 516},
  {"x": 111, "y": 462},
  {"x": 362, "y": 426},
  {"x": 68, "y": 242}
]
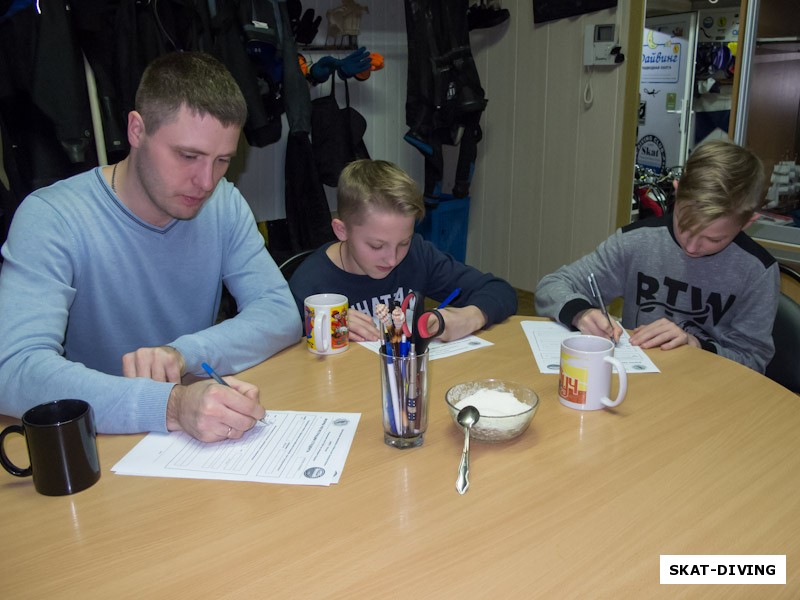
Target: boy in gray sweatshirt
[{"x": 690, "y": 277}]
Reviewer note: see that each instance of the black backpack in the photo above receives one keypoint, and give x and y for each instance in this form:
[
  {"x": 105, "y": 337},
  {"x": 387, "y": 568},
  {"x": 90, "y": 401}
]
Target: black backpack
[{"x": 336, "y": 135}]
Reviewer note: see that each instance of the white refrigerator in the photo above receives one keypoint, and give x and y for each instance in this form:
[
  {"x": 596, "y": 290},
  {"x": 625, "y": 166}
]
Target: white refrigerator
[{"x": 670, "y": 90}]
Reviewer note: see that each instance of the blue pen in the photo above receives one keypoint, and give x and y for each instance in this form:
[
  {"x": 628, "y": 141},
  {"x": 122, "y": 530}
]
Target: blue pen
[
  {"x": 404, "y": 345},
  {"x": 213, "y": 374},
  {"x": 449, "y": 299}
]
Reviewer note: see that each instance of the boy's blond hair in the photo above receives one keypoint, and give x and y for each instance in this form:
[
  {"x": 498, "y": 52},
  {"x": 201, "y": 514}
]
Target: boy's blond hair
[
  {"x": 720, "y": 179},
  {"x": 367, "y": 185},
  {"x": 192, "y": 79}
]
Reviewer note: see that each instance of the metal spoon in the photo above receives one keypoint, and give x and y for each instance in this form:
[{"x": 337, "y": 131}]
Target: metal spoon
[{"x": 467, "y": 417}]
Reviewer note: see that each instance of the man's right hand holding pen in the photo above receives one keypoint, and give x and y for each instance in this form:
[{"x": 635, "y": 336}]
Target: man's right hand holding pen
[
  {"x": 207, "y": 410},
  {"x": 211, "y": 412}
]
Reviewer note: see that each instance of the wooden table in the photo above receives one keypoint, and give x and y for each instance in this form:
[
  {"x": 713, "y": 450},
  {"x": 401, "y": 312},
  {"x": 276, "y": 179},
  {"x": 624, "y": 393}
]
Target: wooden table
[{"x": 700, "y": 459}]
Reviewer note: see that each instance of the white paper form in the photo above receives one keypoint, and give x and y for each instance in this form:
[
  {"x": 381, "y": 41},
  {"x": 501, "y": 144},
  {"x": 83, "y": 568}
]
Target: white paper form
[
  {"x": 545, "y": 340},
  {"x": 440, "y": 349},
  {"x": 293, "y": 447}
]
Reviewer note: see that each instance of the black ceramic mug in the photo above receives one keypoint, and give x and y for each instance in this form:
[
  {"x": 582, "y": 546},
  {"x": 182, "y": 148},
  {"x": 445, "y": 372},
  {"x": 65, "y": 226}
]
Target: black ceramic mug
[{"x": 61, "y": 442}]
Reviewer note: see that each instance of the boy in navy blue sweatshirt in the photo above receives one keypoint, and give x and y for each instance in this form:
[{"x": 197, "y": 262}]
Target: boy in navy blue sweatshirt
[{"x": 379, "y": 259}]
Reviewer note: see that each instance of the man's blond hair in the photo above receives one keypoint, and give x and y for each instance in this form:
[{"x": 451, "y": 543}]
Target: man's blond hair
[
  {"x": 368, "y": 185},
  {"x": 720, "y": 179}
]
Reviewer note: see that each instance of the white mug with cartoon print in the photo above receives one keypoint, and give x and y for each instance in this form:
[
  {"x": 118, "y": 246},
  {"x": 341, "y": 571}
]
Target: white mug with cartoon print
[
  {"x": 585, "y": 376},
  {"x": 326, "y": 323}
]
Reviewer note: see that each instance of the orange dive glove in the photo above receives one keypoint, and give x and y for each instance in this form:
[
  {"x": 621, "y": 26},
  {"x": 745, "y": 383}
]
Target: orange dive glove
[{"x": 377, "y": 64}]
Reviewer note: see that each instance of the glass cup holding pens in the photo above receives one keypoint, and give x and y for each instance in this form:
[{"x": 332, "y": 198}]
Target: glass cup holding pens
[
  {"x": 404, "y": 367},
  {"x": 404, "y": 393}
]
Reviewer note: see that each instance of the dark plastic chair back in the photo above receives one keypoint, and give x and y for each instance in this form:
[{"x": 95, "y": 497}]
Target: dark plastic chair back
[
  {"x": 784, "y": 367},
  {"x": 289, "y": 266}
]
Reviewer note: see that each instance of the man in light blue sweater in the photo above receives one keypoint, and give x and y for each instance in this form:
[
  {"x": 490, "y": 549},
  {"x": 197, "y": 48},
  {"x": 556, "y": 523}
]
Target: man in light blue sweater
[{"x": 111, "y": 280}]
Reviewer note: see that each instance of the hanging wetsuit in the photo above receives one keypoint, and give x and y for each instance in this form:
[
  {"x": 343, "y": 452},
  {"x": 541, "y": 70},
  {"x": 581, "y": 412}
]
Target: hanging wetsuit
[
  {"x": 94, "y": 31},
  {"x": 444, "y": 95},
  {"x": 43, "y": 98},
  {"x": 307, "y": 213}
]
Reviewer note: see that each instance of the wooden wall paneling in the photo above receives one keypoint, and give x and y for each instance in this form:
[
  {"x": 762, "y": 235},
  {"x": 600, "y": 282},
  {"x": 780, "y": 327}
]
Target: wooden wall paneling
[
  {"x": 562, "y": 107},
  {"x": 491, "y": 196},
  {"x": 531, "y": 87},
  {"x": 595, "y": 199}
]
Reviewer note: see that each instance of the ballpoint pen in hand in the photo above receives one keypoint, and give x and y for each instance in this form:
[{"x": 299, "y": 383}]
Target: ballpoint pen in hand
[
  {"x": 213, "y": 374},
  {"x": 449, "y": 299},
  {"x": 599, "y": 297}
]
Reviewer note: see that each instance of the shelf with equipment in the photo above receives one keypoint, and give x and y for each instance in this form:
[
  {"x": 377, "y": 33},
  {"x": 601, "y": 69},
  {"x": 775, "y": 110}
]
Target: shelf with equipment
[{"x": 349, "y": 47}]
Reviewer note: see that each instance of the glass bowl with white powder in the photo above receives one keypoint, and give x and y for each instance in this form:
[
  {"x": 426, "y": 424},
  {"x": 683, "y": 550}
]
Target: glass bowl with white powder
[{"x": 506, "y": 407}]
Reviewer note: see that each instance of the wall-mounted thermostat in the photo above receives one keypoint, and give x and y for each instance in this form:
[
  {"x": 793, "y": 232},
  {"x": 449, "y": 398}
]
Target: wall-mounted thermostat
[{"x": 599, "y": 43}]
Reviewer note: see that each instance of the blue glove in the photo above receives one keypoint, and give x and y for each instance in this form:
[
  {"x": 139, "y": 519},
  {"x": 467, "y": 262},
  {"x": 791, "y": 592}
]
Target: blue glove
[
  {"x": 356, "y": 62},
  {"x": 322, "y": 69}
]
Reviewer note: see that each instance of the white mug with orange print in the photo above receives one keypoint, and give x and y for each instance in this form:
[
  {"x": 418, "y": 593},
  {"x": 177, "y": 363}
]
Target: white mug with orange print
[
  {"x": 585, "y": 377},
  {"x": 326, "y": 323}
]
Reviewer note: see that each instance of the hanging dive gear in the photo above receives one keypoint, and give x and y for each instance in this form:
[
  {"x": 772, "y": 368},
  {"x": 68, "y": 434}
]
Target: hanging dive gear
[
  {"x": 304, "y": 25},
  {"x": 336, "y": 135},
  {"x": 444, "y": 95},
  {"x": 485, "y": 14}
]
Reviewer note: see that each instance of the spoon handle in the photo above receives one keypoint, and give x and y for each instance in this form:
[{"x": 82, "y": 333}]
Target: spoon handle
[{"x": 462, "y": 482}]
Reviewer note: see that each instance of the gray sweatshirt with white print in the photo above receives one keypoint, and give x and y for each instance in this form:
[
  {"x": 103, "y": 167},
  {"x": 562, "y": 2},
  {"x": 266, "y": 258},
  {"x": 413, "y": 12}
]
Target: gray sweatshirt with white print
[{"x": 727, "y": 300}]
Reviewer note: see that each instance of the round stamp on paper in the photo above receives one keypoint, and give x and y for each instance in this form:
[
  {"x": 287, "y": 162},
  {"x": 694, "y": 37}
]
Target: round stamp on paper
[{"x": 314, "y": 472}]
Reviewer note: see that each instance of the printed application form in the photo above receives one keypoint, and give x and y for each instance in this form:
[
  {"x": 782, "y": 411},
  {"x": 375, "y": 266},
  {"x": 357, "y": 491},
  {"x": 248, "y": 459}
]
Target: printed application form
[
  {"x": 545, "y": 340},
  {"x": 301, "y": 448}
]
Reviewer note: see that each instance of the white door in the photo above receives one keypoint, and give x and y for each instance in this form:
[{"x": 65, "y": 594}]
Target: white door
[{"x": 665, "y": 91}]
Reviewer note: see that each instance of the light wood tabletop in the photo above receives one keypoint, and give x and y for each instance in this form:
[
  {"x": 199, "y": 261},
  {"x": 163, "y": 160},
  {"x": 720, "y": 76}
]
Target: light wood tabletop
[{"x": 702, "y": 458}]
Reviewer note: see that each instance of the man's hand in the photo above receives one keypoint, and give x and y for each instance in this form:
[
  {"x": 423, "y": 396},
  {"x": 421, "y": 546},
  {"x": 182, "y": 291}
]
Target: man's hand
[
  {"x": 211, "y": 412},
  {"x": 162, "y": 363},
  {"x": 593, "y": 322},
  {"x": 663, "y": 334},
  {"x": 460, "y": 322},
  {"x": 361, "y": 327}
]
